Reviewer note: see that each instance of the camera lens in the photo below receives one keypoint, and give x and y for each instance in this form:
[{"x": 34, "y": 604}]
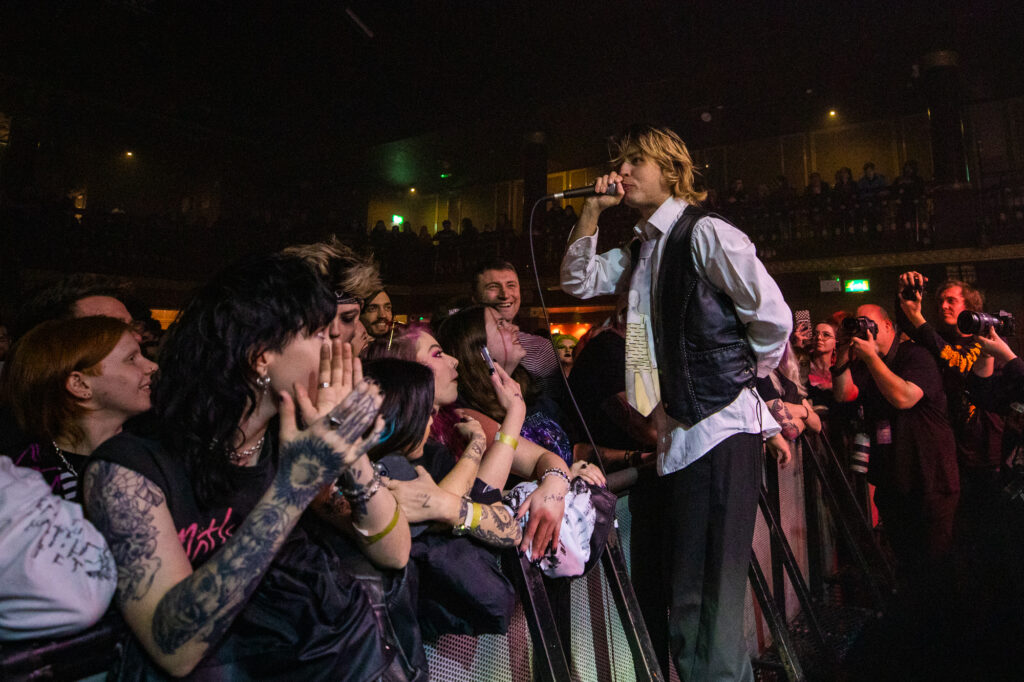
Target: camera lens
[{"x": 971, "y": 322}]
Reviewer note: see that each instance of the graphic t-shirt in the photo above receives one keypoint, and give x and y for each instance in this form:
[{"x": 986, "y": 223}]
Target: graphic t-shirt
[{"x": 201, "y": 530}]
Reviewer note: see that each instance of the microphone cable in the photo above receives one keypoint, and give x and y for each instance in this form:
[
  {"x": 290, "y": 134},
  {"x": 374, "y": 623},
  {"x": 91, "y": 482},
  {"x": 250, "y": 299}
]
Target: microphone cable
[{"x": 547, "y": 322}]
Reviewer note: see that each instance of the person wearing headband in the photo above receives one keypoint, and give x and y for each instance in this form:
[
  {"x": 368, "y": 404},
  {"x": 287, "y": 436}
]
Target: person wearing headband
[{"x": 353, "y": 279}]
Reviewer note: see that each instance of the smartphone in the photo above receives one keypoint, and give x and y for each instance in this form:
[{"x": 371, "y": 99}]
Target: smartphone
[{"x": 487, "y": 358}]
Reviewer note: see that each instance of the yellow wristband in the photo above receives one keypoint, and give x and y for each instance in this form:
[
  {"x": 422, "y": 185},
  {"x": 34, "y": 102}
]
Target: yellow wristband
[
  {"x": 377, "y": 537},
  {"x": 475, "y": 523},
  {"x": 508, "y": 440}
]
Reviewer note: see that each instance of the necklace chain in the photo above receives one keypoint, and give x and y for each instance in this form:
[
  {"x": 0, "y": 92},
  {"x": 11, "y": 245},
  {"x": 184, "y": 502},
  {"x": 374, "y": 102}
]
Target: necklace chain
[
  {"x": 240, "y": 457},
  {"x": 64, "y": 459}
]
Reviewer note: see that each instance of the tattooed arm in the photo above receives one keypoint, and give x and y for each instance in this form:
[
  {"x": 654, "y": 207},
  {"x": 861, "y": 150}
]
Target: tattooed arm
[
  {"x": 804, "y": 416},
  {"x": 495, "y": 459},
  {"x": 367, "y": 519},
  {"x": 547, "y": 502},
  {"x": 790, "y": 428},
  {"x": 177, "y": 613},
  {"x": 459, "y": 481},
  {"x": 423, "y": 500}
]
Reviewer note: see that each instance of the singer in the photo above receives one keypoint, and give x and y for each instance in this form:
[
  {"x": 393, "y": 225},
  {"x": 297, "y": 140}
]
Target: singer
[{"x": 704, "y": 320}]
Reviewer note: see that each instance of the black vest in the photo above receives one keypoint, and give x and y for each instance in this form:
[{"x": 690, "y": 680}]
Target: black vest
[{"x": 704, "y": 359}]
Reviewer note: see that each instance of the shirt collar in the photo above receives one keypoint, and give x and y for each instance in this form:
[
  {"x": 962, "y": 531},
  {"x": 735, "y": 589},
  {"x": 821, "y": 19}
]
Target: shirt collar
[{"x": 663, "y": 219}]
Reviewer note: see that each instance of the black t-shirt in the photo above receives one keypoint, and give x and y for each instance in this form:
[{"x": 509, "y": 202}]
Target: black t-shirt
[
  {"x": 978, "y": 432},
  {"x": 201, "y": 530},
  {"x": 61, "y": 474},
  {"x": 310, "y": 617},
  {"x": 598, "y": 375},
  {"x": 998, "y": 391},
  {"x": 437, "y": 460},
  {"x": 912, "y": 450}
]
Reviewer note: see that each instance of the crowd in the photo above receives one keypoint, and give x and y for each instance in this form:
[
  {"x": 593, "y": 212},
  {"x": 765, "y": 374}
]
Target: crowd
[
  {"x": 287, "y": 463},
  {"x": 824, "y": 219}
]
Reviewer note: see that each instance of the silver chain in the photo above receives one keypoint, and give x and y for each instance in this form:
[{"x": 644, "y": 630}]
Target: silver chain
[
  {"x": 64, "y": 459},
  {"x": 240, "y": 457}
]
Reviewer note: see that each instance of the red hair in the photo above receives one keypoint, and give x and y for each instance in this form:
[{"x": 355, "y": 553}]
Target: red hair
[{"x": 44, "y": 359}]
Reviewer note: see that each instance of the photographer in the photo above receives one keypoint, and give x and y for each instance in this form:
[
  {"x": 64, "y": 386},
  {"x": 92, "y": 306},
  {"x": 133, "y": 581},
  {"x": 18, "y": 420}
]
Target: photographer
[
  {"x": 913, "y": 457},
  {"x": 978, "y": 432},
  {"x": 1005, "y": 388},
  {"x": 1000, "y": 392}
]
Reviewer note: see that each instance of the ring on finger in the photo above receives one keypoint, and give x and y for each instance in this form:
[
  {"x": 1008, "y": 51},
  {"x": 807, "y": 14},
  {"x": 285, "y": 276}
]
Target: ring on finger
[
  {"x": 333, "y": 418},
  {"x": 325, "y": 384}
]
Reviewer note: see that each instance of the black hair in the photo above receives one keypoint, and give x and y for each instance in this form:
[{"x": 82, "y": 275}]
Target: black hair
[
  {"x": 408, "y": 389},
  {"x": 499, "y": 264},
  {"x": 207, "y": 384},
  {"x": 57, "y": 301}
]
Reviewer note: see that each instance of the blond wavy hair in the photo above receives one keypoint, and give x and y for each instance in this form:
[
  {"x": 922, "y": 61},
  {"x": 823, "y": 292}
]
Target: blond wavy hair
[
  {"x": 667, "y": 149},
  {"x": 340, "y": 266}
]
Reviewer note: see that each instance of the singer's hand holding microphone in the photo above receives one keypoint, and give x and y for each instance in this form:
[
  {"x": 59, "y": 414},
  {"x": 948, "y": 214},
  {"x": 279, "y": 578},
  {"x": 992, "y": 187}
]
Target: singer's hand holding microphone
[
  {"x": 604, "y": 193},
  {"x": 606, "y": 186},
  {"x": 608, "y": 192}
]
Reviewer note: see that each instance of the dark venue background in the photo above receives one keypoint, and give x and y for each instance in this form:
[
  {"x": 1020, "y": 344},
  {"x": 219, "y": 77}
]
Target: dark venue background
[{"x": 250, "y": 126}]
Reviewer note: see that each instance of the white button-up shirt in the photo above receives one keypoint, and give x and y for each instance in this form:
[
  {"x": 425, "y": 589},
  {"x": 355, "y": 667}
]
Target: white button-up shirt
[{"x": 725, "y": 258}]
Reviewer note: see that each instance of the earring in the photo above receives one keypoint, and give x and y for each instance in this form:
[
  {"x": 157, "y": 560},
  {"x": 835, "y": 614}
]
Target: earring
[{"x": 263, "y": 381}]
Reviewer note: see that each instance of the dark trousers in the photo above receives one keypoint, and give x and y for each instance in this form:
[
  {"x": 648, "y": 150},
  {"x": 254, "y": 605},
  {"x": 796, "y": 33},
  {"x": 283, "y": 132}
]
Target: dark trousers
[
  {"x": 706, "y": 515},
  {"x": 648, "y": 569}
]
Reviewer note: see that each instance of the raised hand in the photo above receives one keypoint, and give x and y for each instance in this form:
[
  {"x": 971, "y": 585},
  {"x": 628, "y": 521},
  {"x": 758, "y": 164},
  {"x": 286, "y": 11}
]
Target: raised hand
[
  {"x": 993, "y": 345},
  {"x": 340, "y": 371},
  {"x": 601, "y": 201},
  {"x": 508, "y": 391},
  {"x": 912, "y": 308},
  {"x": 331, "y": 443},
  {"x": 863, "y": 348},
  {"x": 473, "y": 433},
  {"x": 469, "y": 428}
]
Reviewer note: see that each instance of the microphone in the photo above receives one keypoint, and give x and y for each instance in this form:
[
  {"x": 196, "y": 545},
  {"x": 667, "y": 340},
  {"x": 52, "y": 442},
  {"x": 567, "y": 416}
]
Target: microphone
[{"x": 588, "y": 191}]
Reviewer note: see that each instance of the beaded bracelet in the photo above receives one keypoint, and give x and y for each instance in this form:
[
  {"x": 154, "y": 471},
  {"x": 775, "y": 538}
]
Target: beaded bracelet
[
  {"x": 363, "y": 495},
  {"x": 556, "y": 472},
  {"x": 508, "y": 440}
]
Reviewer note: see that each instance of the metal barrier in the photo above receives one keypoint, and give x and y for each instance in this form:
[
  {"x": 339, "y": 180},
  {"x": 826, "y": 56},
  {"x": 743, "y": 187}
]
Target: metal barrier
[{"x": 609, "y": 640}]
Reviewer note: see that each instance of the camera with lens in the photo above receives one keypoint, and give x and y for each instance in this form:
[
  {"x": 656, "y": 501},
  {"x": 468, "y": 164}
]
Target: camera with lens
[
  {"x": 971, "y": 322},
  {"x": 909, "y": 292},
  {"x": 860, "y": 326}
]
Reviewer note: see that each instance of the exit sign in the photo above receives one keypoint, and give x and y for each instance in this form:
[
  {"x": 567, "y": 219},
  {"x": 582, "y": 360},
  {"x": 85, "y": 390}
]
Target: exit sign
[{"x": 857, "y": 286}]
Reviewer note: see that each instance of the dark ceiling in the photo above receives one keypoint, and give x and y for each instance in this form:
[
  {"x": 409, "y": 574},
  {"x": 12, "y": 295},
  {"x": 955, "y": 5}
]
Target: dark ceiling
[{"x": 334, "y": 78}]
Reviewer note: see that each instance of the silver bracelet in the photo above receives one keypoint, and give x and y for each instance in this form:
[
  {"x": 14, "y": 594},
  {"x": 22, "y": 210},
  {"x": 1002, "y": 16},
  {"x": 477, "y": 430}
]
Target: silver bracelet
[
  {"x": 556, "y": 472},
  {"x": 364, "y": 494}
]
